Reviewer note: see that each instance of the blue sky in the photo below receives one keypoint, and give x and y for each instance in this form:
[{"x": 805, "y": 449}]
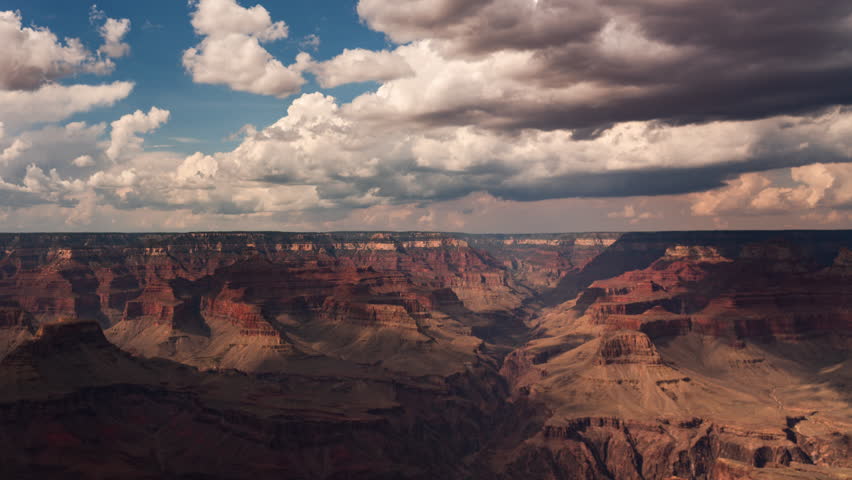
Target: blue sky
[
  {"x": 463, "y": 115},
  {"x": 161, "y": 32}
]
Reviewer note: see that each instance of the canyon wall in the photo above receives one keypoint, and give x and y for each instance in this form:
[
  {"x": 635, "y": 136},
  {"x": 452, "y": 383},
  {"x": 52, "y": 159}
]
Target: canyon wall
[{"x": 422, "y": 355}]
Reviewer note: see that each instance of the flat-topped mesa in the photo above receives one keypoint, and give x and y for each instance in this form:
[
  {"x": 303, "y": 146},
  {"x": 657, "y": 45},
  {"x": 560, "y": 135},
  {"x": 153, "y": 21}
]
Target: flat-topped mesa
[
  {"x": 156, "y": 303},
  {"x": 367, "y": 314},
  {"x": 695, "y": 254},
  {"x": 436, "y": 243},
  {"x": 379, "y": 246},
  {"x": 627, "y": 348},
  {"x": 594, "y": 242},
  {"x": 229, "y": 307},
  {"x": 533, "y": 241}
]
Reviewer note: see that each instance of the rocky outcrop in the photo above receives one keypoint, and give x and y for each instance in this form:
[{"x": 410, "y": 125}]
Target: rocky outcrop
[
  {"x": 229, "y": 306},
  {"x": 627, "y": 347}
]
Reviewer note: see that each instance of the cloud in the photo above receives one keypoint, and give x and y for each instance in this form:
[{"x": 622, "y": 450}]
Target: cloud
[
  {"x": 113, "y": 32},
  {"x": 52, "y": 147},
  {"x": 485, "y": 25},
  {"x": 231, "y": 54},
  {"x": 84, "y": 161},
  {"x": 310, "y": 42},
  {"x": 14, "y": 151},
  {"x": 197, "y": 168},
  {"x": 648, "y": 113},
  {"x": 123, "y": 135},
  {"x": 151, "y": 26},
  {"x": 588, "y": 64},
  {"x": 53, "y": 103},
  {"x": 632, "y": 215},
  {"x": 224, "y": 17},
  {"x": 812, "y": 189},
  {"x": 354, "y": 162},
  {"x": 359, "y": 65},
  {"x": 33, "y": 56}
]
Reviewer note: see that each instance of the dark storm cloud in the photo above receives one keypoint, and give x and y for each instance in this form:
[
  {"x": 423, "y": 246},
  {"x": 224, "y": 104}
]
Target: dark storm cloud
[
  {"x": 687, "y": 61},
  {"x": 482, "y": 26}
]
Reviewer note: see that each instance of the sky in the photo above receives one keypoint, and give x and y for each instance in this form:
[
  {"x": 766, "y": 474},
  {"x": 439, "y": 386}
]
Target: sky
[{"x": 514, "y": 116}]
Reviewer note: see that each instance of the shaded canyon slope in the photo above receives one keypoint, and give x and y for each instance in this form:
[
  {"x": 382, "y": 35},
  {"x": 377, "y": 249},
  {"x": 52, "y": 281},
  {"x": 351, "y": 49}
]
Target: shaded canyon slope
[{"x": 691, "y": 355}]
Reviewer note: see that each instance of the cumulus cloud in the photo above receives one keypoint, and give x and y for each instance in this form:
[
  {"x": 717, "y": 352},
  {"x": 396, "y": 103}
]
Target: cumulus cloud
[
  {"x": 359, "y": 65},
  {"x": 34, "y": 56},
  {"x": 51, "y": 147},
  {"x": 354, "y": 162},
  {"x": 197, "y": 168},
  {"x": 319, "y": 158},
  {"x": 83, "y": 161},
  {"x": 123, "y": 136},
  {"x": 223, "y": 17},
  {"x": 231, "y": 54},
  {"x": 14, "y": 151},
  {"x": 818, "y": 188},
  {"x": 113, "y": 32}
]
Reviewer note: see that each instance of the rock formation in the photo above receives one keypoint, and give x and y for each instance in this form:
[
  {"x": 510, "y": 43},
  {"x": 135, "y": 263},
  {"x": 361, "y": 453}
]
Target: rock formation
[{"x": 693, "y": 355}]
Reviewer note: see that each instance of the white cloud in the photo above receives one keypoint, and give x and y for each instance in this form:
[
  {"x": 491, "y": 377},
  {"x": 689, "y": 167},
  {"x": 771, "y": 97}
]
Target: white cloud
[
  {"x": 113, "y": 32},
  {"x": 224, "y": 17},
  {"x": 815, "y": 189},
  {"x": 53, "y": 103},
  {"x": 14, "y": 151},
  {"x": 633, "y": 215},
  {"x": 231, "y": 53},
  {"x": 197, "y": 168},
  {"x": 359, "y": 65},
  {"x": 84, "y": 161},
  {"x": 34, "y": 56},
  {"x": 51, "y": 147},
  {"x": 123, "y": 135},
  {"x": 497, "y": 91},
  {"x": 354, "y": 160}
]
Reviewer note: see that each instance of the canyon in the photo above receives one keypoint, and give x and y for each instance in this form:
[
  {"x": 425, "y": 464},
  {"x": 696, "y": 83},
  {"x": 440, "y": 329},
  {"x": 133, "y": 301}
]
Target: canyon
[{"x": 377, "y": 355}]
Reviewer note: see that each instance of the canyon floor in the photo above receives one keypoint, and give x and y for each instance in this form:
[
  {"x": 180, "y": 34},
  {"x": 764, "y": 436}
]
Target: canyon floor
[{"x": 639, "y": 356}]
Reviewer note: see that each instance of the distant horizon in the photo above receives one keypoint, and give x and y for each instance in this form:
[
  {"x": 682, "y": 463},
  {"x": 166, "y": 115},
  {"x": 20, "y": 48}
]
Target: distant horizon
[{"x": 308, "y": 232}]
